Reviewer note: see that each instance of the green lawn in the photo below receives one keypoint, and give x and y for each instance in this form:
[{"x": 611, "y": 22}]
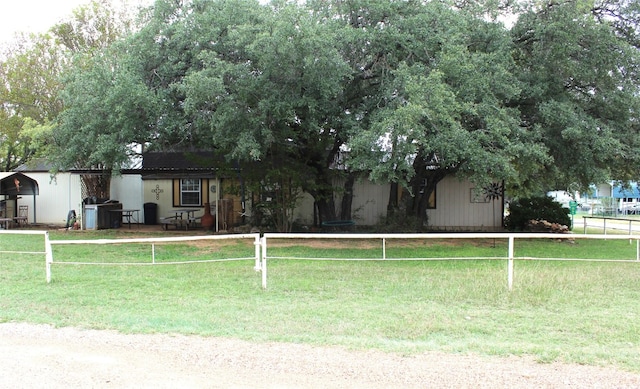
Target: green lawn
[{"x": 583, "y": 312}]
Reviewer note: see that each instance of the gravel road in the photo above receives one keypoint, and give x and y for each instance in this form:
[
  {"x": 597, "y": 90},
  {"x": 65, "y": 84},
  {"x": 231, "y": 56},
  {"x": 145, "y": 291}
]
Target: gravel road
[{"x": 40, "y": 356}]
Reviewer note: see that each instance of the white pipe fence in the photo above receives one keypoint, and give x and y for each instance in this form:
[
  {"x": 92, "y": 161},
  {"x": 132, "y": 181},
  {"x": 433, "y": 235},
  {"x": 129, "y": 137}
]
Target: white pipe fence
[
  {"x": 615, "y": 223},
  {"x": 509, "y": 255},
  {"x": 261, "y": 254},
  {"x": 153, "y": 241},
  {"x": 25, "y": 232},
  {"x": 46, "y": 250}
]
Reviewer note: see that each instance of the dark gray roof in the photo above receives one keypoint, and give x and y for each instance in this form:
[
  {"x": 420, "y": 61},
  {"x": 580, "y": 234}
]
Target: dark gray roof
[
  {"x": 202, "y": 164},
  {"x": 189, "y": 160},
  {"x": 16, "y": 184},
  {"x": 35, "y": 165}
]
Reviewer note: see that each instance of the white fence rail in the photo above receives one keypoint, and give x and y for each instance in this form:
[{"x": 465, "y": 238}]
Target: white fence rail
[
  {"x": 45, "y": 234},
  {"x": 46, "y": 250},
  {"x": 612, "y": 223},
  {"x": 261, "y": 254},
  {"x": 152, "y": 241},
  {"x": 509, "y": 255}
]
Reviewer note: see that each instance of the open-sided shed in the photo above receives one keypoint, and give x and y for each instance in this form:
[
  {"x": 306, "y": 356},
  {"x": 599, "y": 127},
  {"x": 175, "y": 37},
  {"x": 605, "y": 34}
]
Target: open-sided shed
[{"x": 14, "y": 185}]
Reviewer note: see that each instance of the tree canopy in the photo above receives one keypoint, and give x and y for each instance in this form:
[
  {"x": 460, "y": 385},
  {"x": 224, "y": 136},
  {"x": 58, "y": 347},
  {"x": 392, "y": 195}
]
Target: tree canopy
[
  {"x": 29, "y": 87},
  {"x": 401, "y": 91},
  {"x": 579, "y": 68},
  {"x": 32, "y": 69}
]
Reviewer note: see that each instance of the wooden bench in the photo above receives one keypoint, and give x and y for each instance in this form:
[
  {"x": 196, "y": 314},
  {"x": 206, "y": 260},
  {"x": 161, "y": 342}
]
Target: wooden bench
[
  {"x": 193, "y": 221},
  {"x": 5, "y": 222},
  {"x": 179, "y": 222},
  {"x": 20, "y": 220},
  {"x": 175, "y": 221}
]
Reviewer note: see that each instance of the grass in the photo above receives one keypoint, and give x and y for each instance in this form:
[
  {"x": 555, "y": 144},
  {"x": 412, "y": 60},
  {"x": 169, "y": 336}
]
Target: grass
[{"x": 582, "y": 312}]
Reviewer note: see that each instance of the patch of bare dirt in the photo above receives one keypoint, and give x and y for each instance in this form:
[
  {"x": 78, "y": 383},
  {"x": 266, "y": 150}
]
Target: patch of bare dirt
[{"x": 40, "y": 356}]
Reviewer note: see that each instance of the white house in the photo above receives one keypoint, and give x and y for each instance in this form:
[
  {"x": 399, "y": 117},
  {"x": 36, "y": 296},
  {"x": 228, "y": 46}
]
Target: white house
[
  {"x": 166, "y": 182},
  {"x": 60, "y": 194},
  {"x": 458, "y": 206}
]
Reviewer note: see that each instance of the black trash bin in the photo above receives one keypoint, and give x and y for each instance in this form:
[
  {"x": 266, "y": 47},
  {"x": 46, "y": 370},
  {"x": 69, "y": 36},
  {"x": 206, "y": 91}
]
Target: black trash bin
[{"x": 150, "y": 213}]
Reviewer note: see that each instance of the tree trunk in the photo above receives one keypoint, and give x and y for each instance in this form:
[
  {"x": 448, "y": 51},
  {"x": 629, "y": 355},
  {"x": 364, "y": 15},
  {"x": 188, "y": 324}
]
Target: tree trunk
[
  {"x": 423, "y": 202},
  {"x": 96, "y": 185},
  {"x": 420, "y": 200},
  {"x": 320, "y": 187},
  {"x": 326, "y": 208},
  {"x": 423, "y": 185},
  {"x": 392, "y": 205},
  {"x": 347, "y": 198}
]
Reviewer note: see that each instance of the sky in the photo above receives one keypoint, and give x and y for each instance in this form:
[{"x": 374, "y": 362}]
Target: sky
[{"x": 33, "y": 15}]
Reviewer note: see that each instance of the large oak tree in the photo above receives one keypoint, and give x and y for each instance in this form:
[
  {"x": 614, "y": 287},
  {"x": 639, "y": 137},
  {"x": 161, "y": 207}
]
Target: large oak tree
[
  {"x": 580, "y": 97},
  {"x": 407, "y": 92}
]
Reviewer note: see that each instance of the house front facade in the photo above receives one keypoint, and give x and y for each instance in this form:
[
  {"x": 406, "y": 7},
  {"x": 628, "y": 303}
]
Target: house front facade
[
  {"x": 174, "y": 180},
  {"x": 456, "y": 206},
  {"x": 62, "y": 193},
  {"x": 167, "y": 182}
]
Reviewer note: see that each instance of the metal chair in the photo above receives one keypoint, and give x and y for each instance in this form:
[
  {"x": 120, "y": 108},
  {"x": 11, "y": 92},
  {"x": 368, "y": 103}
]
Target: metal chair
[{"x": 23, "y": 215}]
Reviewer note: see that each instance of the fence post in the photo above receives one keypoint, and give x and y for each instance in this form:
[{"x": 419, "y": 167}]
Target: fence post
[
  {"x": 384, "y": 248},
  {"x": 510, "y": 264},
  {"x": 48, "y": 255},
  {"x": 257, "y": 243},
  {"x": 264, "y": 262}
]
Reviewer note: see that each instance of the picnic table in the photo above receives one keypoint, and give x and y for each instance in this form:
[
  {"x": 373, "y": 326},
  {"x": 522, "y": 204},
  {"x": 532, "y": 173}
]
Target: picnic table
[
  {"x": 129, "y": 215},
  {"x": 5, "y": 222},
  {"x": 182, "y": 217},
  {"x": 20, "y": 220}
]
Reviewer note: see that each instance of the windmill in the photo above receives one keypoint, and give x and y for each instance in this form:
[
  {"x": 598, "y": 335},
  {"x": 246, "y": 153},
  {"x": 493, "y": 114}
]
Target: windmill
[{"x": 493, "y": 192}]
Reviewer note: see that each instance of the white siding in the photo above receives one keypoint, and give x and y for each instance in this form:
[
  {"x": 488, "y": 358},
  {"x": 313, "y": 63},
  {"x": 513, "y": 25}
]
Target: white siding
[
  {"x": 62, "y": 193},
  {"x": 368, "y": 206},
  {"x": 57, "y": 197},
  {"x": 127, "y": 189},
  {"x": 454, "y": 209},
  {"x": 303, "y": 212},
  {"x": 369, "y": 202},
  {"x": 604, "y": 190}
]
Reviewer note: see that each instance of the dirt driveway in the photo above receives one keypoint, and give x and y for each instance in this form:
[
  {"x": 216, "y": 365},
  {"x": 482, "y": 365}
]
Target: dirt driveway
[{"x": 39, "y": 356}]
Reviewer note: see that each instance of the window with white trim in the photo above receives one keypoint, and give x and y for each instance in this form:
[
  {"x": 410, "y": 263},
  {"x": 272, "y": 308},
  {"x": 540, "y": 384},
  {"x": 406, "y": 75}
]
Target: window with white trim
[{"x": 190, "y": 191}]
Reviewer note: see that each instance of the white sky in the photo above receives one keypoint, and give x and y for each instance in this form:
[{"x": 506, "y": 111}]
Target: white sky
[{"x": 34, "y": 15}]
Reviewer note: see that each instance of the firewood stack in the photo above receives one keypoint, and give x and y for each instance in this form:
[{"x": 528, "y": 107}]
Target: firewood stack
[{"x": 545, "y": 226}]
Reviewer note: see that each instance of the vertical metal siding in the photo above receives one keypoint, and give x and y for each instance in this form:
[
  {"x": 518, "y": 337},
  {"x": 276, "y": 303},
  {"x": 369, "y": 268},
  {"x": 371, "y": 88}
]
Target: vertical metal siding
[
  {"x": 454, "y": 209},
  {"x": 127, "y": 189},
  {"x": 57, "y": 197}
]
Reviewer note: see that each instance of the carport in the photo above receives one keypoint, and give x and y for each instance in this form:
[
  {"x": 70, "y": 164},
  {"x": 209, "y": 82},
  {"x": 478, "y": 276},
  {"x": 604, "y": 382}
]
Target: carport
[{"x": 16, "y": 185}]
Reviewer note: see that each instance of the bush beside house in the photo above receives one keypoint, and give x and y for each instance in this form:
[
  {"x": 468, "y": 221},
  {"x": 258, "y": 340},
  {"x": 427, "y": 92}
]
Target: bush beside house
[{"x": 523, "y": 211}]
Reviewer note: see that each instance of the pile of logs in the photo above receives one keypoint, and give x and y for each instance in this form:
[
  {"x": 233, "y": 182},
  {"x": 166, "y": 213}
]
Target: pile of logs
[{"x": 545, "y": 226}]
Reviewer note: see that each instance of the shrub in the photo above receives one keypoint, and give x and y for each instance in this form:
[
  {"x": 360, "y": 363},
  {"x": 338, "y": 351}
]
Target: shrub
[
  {"x": 399, "y": 222},
  {"x": 535, "y": 208}
]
